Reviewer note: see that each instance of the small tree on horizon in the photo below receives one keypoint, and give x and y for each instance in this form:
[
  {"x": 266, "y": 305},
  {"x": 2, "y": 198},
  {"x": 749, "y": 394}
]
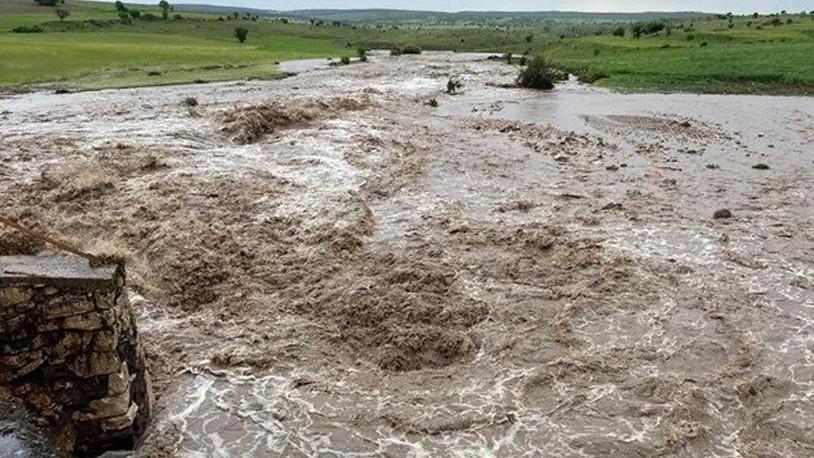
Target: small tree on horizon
[
  {"x": 62, "y": 13},
  {"x": 165, "y": 8},
  {"x": 120, "y": 8},
  {"x": 241, "y": 33}
]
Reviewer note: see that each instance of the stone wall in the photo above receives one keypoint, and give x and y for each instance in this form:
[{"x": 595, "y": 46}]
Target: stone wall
[{"x": 69, "y": 352}]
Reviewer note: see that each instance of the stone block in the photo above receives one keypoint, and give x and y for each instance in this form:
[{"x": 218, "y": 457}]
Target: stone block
[
  {"x": 121, "y": 422},
  {"x": 95, "y": 363},
  {"x": 11, "y": 296},
  {"x": 72, "y": 343},
  {"x": 19, "y": 360},
  {"x": 14, "y": 311},
  {"x": 66, "y": 306},
  {"x": 106, "y": 340},
  {"x": 105, "y": 408},
  {"x": 119, "y": 382},
  {"x": 13, "y": 367},
  {"x": 87, "y": 322}
]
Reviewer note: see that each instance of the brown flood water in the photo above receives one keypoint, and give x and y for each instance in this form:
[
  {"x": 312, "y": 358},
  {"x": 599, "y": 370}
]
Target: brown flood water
[{"x": 329, "y": 266}]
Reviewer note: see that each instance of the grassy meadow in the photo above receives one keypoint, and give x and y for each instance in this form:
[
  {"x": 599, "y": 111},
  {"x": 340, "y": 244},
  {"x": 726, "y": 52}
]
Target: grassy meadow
[
  {"x": 92, "y": 48},
  {"x": 103, "y": 53}
]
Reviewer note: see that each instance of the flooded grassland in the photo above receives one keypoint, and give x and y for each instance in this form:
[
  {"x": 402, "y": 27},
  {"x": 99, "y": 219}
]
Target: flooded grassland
[{"x": 329, "y": 265}]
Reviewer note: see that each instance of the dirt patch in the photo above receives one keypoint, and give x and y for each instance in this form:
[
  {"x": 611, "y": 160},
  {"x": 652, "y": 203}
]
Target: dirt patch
[{"x": 13, "y": 243}]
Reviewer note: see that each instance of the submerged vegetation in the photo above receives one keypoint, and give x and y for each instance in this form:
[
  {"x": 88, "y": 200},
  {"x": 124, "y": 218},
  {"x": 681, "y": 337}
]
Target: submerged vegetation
[
  {"x": 93, "y": 45},
  {"x": 538, "y": 74}
]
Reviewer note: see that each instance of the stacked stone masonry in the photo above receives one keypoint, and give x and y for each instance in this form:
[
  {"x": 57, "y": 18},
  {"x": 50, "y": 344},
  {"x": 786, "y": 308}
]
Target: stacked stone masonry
[{"x": 69, "y": 352}]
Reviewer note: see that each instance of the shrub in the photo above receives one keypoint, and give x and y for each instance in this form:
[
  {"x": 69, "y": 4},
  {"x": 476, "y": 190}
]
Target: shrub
[
  {"x": 655, "y": 27},
  {"x": 241, "y": 33},
  {"x": 362, "y": 53},
  {"x": 395, "y": 51},
  {"x": 411, "y": 49},
  {"x": 619, "y": 32},
  {"x": 49, "y": 2},
  {"x": 537, "y": 75},
  {"x": 529, "y": 37},
  {"x": 345, "y": 60},
  {"x": 641, "y": 28},
  {"x": 190, "y": 102},
  {"x": 135, "y": 14},
  {"x": 27, "y": 29},
  {"x": 508, "y": 58}
]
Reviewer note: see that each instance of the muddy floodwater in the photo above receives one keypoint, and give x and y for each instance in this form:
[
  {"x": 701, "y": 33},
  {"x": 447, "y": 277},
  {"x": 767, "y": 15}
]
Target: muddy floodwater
[{"x": 330, "y": 265}]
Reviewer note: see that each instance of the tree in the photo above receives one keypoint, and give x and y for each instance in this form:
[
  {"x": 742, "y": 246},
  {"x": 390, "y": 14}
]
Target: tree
[
  {"x": 637, "y": 30},
  {"x": 619, "y": 32},
  {"x": 49, "y": 2},
  {"x": 529, "y": 37},
  {"x": 135, "y": 14},
  {"x": 120, "y": 8},
  {"x": 241, "y": 33},
  {"x": 165, "y": 8},
  {"x": 62, "y": 13}
]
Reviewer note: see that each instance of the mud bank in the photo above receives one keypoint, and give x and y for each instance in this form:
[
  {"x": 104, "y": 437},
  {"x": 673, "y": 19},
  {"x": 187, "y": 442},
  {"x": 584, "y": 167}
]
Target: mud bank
[{"x": 509, "y": 273}]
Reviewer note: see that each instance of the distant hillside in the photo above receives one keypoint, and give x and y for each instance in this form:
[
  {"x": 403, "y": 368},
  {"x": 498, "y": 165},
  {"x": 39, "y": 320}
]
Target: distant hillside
[
  {"x": 505, "y": 17},
  {"x": 394, "y": 17},
  {"x": 215, "y": 9}
]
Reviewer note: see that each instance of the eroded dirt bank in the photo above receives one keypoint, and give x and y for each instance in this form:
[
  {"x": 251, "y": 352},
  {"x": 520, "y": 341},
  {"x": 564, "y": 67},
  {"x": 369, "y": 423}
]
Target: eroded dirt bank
[{"x": 329, "y": 266}]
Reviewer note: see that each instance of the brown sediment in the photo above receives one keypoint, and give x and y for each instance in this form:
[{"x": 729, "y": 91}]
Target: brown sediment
[{"x": 362, "y": 273}]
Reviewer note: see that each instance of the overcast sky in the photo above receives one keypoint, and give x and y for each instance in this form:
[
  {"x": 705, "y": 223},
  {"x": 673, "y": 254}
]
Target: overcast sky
[{"x": 722, "y": 6}]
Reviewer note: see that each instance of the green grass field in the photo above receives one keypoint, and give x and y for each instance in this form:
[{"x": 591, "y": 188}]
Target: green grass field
[
  {"x": 92, "y": 49},
  {"x": 87, "y": 56}
]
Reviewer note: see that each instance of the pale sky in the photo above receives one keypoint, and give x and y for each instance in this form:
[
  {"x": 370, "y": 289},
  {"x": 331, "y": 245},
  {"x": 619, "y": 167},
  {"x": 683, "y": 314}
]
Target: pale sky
[{"x": 713, "y": 6}]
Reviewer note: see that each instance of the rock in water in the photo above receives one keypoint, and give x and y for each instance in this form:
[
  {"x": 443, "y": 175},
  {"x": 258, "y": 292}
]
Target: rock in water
[{"x": 722, "y": 214}]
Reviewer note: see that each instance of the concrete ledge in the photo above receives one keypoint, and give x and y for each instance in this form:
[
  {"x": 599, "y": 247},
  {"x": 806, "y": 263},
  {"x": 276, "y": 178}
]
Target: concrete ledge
[{"x": 62, "y": 271}]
